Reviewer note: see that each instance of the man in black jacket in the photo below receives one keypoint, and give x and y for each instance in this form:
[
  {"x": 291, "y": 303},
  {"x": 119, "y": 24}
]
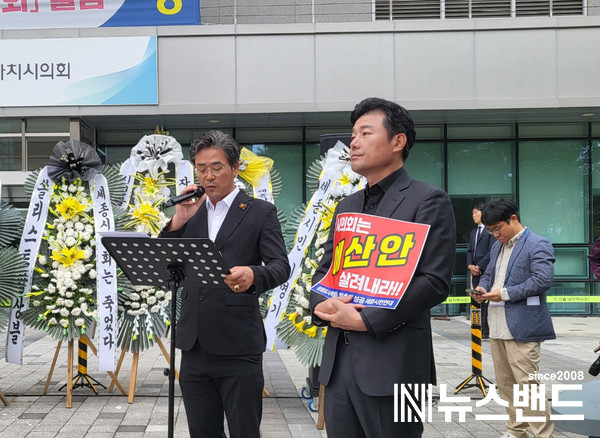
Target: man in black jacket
[
  {"x": 220, "y": 331},
  {"x": 478, "y": 257},
  {"x": 368, "y": 350}
]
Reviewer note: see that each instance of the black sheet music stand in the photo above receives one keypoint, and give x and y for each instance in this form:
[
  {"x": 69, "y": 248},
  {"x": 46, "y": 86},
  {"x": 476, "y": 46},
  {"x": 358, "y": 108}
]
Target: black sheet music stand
[{"x": 168, "y": 262}]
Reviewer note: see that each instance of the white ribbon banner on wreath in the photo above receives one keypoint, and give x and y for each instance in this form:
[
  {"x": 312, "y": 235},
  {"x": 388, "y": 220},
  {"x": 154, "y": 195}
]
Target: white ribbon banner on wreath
[
  {"x": 29, "y": 248},
  {"x": 264, "y": 191},
  {"x": 127, "y": 170},
  {"x": 333, "y": 167},
  {"x": 106, "y": 280},
  {"x": 183, "y": 175}
]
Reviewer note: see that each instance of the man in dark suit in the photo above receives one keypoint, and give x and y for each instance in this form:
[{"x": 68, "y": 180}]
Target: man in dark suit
[
  {"x": 478, "y": 257},
  {"x": 220, "y": 331},
  {"x": 368, "y": 350},
  {"x": 520, "y": 273}
]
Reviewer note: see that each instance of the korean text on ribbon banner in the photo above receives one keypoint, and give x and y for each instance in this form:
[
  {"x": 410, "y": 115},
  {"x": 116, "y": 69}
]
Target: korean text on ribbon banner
[{"x": 374, "y": 259}]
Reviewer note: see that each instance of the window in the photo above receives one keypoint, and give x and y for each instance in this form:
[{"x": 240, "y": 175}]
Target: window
[
  {"x": 428, "y": 9},
  {"x": 553, "y": 180},
  {"x": 478, "y": 172}
]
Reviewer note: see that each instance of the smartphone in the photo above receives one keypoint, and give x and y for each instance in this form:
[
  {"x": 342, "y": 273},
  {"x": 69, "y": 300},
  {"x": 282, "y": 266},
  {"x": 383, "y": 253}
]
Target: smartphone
[{"x": 474, "y": 291}]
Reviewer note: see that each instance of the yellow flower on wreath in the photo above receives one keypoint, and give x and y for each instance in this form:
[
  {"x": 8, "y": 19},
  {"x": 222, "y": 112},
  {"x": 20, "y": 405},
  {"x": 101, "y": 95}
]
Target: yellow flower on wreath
[
  {"x": 70, "y": 207},
  {"x": 345, "y": 179},
  {"x": 311, "y": 331},
  {"x": 147, "y": 214},
  {"x": 67, "y": 256},
  {"x": 151, "y": 186}
]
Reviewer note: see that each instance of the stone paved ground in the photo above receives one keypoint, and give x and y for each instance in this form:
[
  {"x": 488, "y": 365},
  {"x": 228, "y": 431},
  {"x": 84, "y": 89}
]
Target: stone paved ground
[{"x": 285, "y": 413}]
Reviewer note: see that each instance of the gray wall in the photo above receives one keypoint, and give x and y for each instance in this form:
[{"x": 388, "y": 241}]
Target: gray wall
[
  {"x": 427, "y": 65},
  {"x": 284, "y": 11}
]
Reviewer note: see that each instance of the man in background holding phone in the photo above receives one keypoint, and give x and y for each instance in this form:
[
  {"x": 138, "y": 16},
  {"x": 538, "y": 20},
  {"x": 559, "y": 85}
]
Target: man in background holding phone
[{"x": 520, "y": 272}]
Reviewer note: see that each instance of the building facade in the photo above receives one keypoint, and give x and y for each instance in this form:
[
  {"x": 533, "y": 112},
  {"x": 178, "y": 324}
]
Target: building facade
[{"x": 504, "y": 93}]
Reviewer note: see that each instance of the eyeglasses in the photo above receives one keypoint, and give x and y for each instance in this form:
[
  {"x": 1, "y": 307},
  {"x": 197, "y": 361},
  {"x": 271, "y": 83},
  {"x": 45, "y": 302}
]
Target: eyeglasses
[
  {"x": 215, "y": 169},
  {"x": 496, "y": 229}
]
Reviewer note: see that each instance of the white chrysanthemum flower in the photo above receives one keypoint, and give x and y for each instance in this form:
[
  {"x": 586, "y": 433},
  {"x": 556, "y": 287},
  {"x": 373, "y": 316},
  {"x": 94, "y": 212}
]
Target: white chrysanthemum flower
[
  {"x": 72, "y": 188},
  {"x": 303, "y": 302},
  {"x": 79, "y": 322},
  {"x": 76, "y": 311},
  {"x": 168, "y": 295},
  {"x": 87, "y": 253},
  {"x": 70, "y": 241},
  {"x": 42, "y": 260},
  {"x": 55, "y": 264},
  {"x": 143, "y": 311},
  {"x": 70, "y": 232},
  {"x": 159, "y": 294},
  {"x": 52, "y": 321},
  {"x": 79, "y": 226},
  {"x": 154, "y": 309},
  {"x": 134, "y": 296},
  {"x": 143, "y": 306},
  {"x": 144, "y": 295},
  {"x": 64, "y": 312},
  {"x": 89, "y": 229},
  {"x": 82, "y": 305},
  {"x": 36, "y": 303},
  {"x": 92, "y": 274},
  {"x": 135, "y": 305},
  {"x": 69, "y": 224},
  {"x": 69, "y": 303},
  {"x": 151, "y": 300}
]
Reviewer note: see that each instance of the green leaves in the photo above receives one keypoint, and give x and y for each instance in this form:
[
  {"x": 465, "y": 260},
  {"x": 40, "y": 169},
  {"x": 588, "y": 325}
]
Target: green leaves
[
  {"x": 12, "y": 273},
  {"x": 11, "y": 224}
]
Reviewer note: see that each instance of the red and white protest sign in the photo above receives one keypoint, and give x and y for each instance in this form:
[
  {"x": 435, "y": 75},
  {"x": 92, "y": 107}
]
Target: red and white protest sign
[{"x": 374, "y": 259}]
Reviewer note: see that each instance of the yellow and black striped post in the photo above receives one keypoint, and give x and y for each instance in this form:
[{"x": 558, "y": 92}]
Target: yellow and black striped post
[
  {"x": 83, "y": 379},
  {"x": 476, "y": 357}
]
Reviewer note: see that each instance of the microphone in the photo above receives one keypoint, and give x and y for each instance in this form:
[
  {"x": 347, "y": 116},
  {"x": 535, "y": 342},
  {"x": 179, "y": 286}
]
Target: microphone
[{"x": 178, "y": 199}]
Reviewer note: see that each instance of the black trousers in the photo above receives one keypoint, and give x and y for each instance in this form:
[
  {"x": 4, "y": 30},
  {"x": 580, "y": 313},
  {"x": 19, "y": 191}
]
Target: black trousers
[
  {"x": 350, "y": 413},
  {"x": 215, "y": 385}
]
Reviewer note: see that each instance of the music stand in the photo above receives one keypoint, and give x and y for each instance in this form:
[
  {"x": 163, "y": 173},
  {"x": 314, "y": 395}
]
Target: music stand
[{"x": 168, "y": 262}]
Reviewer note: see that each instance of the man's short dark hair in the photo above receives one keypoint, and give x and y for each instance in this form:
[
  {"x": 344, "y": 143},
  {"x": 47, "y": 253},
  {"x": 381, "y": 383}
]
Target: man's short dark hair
[
  {"x": 499, "y": 210},
  {"x": 479, "y": 206},
  {"x": 217, "y": 140},
  {"x": 397, "y": 119}
]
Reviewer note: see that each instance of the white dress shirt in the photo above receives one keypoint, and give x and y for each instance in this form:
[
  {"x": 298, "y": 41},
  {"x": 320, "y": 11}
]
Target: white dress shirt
[{"x": 216, "y": 213}]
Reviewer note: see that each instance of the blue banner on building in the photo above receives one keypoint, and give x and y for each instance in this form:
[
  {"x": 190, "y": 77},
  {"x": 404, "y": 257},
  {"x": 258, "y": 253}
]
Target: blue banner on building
[{"x": 40, "y": 14}]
